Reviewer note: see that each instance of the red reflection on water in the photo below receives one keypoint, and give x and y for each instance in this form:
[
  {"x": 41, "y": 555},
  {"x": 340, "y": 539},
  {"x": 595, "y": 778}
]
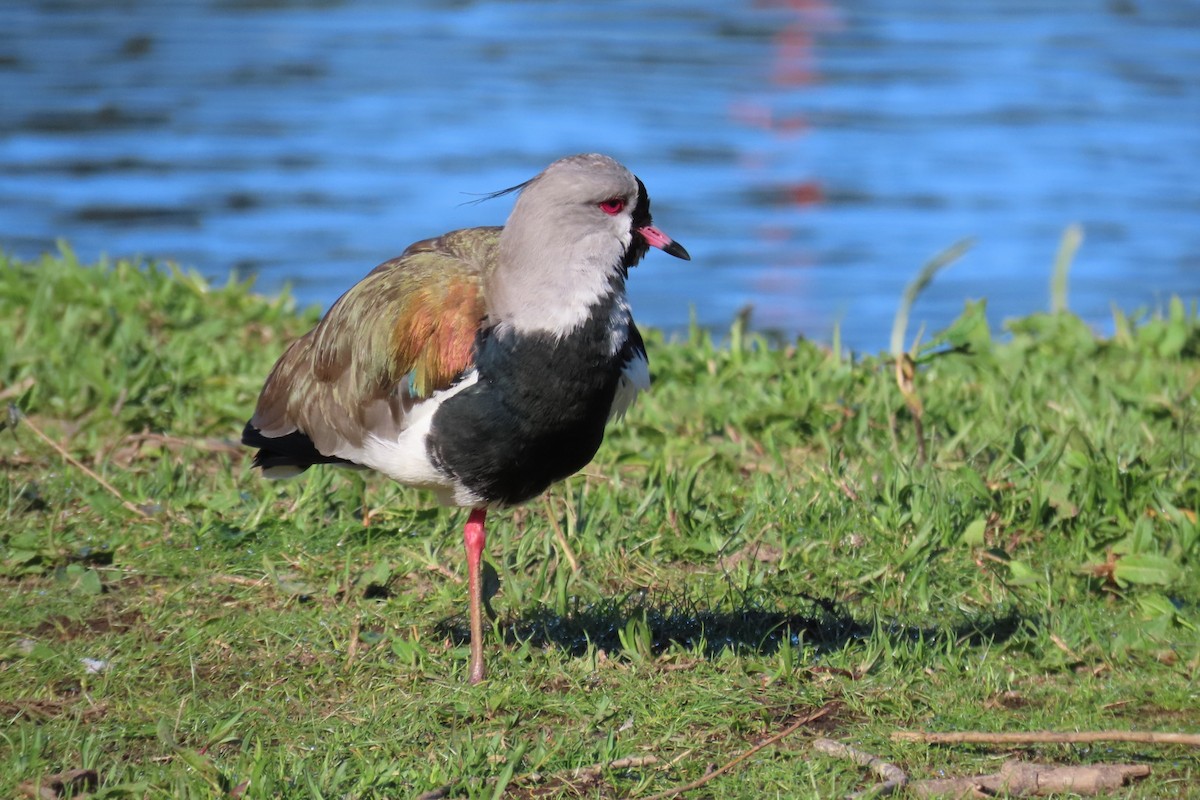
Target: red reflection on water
[
  {"x": 794, "y": 64},
  {"x": 759, "y": 115},
  {"x": 792, "y": 67},
  {"x": 806, "y": 193}
]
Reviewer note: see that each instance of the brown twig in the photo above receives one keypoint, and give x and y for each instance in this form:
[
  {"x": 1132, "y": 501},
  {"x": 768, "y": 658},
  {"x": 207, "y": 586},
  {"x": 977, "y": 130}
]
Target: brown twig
[
  {"x": 1015, "y": 778},
  {"x": 790, "y": 729},
  {"x": 1047, "y": 737},
  {"x": 76, "y": 463},
  {"x": 893, "y": 777},
  {"x": 1023, "y": 779}
]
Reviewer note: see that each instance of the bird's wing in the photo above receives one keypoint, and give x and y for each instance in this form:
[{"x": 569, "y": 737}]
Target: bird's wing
[
  {"x": 403, "y": 332},
  {"x": 635, "y": 374}
]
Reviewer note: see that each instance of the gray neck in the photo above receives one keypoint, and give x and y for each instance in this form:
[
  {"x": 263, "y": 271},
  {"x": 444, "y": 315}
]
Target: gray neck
[{"x": 555, "y": 284}]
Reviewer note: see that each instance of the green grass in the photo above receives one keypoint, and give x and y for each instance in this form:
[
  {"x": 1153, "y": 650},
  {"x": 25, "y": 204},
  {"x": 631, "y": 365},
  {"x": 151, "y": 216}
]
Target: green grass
[{"x": 758, "y": 538}]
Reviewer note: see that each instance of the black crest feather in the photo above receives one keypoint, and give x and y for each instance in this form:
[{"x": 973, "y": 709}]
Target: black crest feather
[{"x": 494, "y": 195}]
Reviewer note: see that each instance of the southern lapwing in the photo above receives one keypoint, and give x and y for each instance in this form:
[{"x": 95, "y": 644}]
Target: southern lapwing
[{"x": 482, "y": 364}]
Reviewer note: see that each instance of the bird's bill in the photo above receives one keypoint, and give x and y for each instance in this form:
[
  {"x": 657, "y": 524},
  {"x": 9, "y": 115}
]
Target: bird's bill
[{"x": 656, "y": 238}]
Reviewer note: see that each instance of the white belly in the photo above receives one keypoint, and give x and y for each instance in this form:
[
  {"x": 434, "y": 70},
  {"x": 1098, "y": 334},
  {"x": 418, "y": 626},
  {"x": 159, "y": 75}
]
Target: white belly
[{"x": 405, "y": 458}]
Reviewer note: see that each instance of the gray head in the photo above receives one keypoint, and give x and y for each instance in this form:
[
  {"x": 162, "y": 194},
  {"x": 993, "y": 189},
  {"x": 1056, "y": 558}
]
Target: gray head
[{"x": 574, "y": 232}]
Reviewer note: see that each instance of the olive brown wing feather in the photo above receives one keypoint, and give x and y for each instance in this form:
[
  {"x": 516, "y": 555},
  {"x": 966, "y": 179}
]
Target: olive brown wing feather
[{"x": 405, "y": 331}]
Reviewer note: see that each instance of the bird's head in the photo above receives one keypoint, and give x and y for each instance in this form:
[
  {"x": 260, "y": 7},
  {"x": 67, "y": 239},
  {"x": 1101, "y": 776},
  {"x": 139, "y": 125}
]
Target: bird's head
[{"x": 574, "y": 232}]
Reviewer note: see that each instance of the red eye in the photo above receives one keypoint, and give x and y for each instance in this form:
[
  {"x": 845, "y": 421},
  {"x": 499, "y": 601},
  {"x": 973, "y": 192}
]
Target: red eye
[{"x": 613, "y": 205}]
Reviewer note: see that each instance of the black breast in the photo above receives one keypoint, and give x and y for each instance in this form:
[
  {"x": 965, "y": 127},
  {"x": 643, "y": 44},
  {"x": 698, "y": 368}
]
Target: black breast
[{"x": 537, "y": 412}]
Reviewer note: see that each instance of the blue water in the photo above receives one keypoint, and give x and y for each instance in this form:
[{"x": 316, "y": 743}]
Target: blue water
[{"x": 811, "y": 156}]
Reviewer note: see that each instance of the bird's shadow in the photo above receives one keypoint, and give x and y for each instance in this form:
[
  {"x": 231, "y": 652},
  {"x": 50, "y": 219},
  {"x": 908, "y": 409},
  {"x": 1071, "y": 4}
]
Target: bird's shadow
[{"x": 660, "y": 622}]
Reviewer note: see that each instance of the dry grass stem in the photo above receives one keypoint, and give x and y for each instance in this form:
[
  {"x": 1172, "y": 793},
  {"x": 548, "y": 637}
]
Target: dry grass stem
[
  {"x": 561, "y": 537},
  {"x": 58, "y": 448}
]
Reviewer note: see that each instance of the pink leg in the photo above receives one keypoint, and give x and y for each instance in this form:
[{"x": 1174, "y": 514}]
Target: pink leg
[{"x": 475, "y": 537}]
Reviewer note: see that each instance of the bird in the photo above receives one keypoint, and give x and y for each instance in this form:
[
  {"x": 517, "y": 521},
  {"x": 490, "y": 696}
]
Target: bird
[{"x": 483, "y": 364}]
